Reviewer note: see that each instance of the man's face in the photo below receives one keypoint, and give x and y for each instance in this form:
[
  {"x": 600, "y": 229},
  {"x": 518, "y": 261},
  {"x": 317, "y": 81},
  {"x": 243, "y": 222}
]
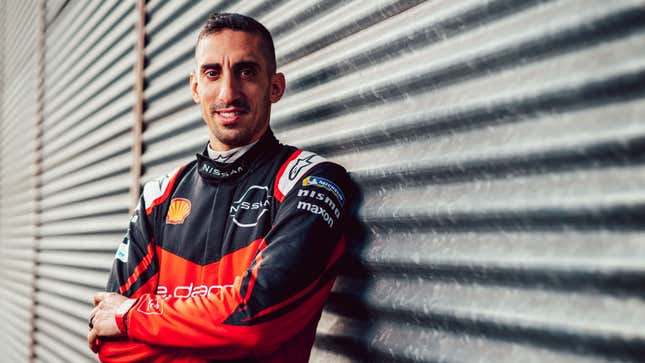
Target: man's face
[{"x": 233, "y": 87}]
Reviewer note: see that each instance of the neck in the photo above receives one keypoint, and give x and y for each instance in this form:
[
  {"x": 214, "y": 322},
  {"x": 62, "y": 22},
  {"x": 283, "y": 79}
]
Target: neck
[{"x": 230, "y": 155}]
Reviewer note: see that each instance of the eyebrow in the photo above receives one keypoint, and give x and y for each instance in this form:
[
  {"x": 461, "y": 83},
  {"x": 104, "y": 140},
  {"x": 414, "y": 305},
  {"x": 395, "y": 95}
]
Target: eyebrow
[
  {"x": 246, "y": 64},
  {"x": 238, "y": 65},
  {"x": 210, "y": 66}
]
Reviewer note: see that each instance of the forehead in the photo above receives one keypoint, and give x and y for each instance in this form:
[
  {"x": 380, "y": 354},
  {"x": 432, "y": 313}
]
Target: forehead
[{"x": 229, "y": 46}]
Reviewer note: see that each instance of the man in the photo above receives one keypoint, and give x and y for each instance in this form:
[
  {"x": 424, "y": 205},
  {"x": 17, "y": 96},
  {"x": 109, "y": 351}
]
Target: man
[{"x": 232, "y": 256}]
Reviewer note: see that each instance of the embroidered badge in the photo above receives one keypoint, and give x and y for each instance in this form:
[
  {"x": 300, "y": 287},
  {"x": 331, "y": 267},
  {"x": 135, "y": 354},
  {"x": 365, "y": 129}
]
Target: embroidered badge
[
  {"x": 326, "y": 184},
  {"x": 178, "y": 211}
]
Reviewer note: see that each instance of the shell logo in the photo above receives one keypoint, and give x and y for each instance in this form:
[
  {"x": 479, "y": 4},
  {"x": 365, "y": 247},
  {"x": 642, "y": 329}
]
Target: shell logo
[{"x": 178, "y": 211}]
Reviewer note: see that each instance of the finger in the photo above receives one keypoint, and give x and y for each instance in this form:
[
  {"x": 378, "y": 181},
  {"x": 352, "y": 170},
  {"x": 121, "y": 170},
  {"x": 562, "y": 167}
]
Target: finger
[
  {"x": 92, "y": 315},
  {"x": 91, "y": 340},
  {"x": 98, "y": 297}
]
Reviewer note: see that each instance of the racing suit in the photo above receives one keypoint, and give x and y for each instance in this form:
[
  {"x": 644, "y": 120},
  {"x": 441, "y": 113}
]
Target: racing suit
[{"x": 231, "y": 261}]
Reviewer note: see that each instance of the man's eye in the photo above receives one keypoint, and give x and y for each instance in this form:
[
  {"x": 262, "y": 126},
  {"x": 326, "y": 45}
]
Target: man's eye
[
  {"x": 247, "y": 73},
  {"x": 211, "y": 74}
]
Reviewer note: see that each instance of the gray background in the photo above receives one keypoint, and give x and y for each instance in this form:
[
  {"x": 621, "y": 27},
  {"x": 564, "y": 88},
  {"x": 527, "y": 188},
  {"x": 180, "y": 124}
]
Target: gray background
[{"x": 498, "y": 147}]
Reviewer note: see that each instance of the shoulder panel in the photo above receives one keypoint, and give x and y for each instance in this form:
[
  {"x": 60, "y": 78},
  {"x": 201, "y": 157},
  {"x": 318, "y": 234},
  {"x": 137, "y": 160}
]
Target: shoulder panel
[
  {"x": 298, "y": 164},
  {"x": 156, "y": 191}
]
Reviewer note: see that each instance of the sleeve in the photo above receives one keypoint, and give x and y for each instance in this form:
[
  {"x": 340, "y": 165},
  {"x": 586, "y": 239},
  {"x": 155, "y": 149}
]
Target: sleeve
[
  {"x": 135, "y": 273},
  {"x": 134, "y": 270},
  {"x": 280, "y": 293}
]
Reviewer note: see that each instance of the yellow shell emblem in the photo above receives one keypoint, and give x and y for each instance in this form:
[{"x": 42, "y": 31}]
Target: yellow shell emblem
[{"x": 178, "y": 211}]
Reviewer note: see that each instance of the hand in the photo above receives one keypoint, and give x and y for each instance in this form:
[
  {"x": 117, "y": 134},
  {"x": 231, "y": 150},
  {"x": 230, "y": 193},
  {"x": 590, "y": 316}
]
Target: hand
[{"x": 102, "y": 317}]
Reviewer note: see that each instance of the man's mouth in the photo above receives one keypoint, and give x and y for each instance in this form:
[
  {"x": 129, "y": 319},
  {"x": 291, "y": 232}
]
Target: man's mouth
[{"x": 229, "y": 116}]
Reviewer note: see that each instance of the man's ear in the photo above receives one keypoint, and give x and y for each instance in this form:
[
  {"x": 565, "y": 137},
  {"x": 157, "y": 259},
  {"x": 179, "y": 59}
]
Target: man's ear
[
  {"x": 278, "y": 84},
  {"x": 193, "y": 87}
]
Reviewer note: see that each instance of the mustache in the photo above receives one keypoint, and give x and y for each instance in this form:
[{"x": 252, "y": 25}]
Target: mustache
[{"x": 236, "y": 104}]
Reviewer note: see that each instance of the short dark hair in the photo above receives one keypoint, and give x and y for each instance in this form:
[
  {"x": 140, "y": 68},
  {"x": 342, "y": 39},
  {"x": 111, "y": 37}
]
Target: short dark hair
[{"x": 217, "y": 22}]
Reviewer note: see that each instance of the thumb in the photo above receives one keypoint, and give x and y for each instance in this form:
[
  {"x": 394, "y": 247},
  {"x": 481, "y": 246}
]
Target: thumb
[{"x": 98, "y": 297}]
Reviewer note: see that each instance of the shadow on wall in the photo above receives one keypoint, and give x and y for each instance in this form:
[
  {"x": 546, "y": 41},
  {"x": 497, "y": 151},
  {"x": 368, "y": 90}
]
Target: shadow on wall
[
  {"x": 354, "y": 326},
  {"x": 349, "y": 335}
]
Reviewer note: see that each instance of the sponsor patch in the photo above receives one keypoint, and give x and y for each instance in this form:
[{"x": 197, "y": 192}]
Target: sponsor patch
[
  {"x": 315, "y": 209},
  {"x": 300, "y": 164},
  {"x": 190, "y": 290},
  {"x": 223, "y": 158},
  {"x": 218, "y": 173},
  {"x": 251, "y": 206},
  {"x": 122, "y": 252},
  {"x": 178, "y": 211},
  {"x": 320, "y": 197},
  {"x": 325, "y": 183},
  {"x": 151, "y": 305}
]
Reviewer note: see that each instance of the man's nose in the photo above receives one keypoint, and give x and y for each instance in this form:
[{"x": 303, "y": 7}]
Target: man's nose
[{"x": 228, "y": 89}]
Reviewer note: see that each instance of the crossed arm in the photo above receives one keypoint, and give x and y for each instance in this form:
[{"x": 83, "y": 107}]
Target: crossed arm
[{"x": 261, "y": 310}]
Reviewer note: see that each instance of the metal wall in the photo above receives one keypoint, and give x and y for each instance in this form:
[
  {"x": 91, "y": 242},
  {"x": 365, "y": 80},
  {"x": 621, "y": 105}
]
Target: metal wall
[
  {"x": 86, "y": 160},
  {"x": 498, "y": 147},
  {"x": 19, "y": 109}
]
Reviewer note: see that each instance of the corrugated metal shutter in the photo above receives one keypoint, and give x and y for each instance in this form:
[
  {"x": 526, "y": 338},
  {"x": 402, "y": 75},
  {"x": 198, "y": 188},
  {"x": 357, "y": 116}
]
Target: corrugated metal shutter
[
  {"x": 86, "y": 160},
  {"x": 174, "y": 127},
  {"x": 498, "y": 146},
  {"x": 21, "y": 30}
]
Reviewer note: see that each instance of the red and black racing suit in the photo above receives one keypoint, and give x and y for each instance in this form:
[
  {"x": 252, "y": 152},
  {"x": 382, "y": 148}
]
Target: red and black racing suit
[{"x": 231, "y": 261}]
